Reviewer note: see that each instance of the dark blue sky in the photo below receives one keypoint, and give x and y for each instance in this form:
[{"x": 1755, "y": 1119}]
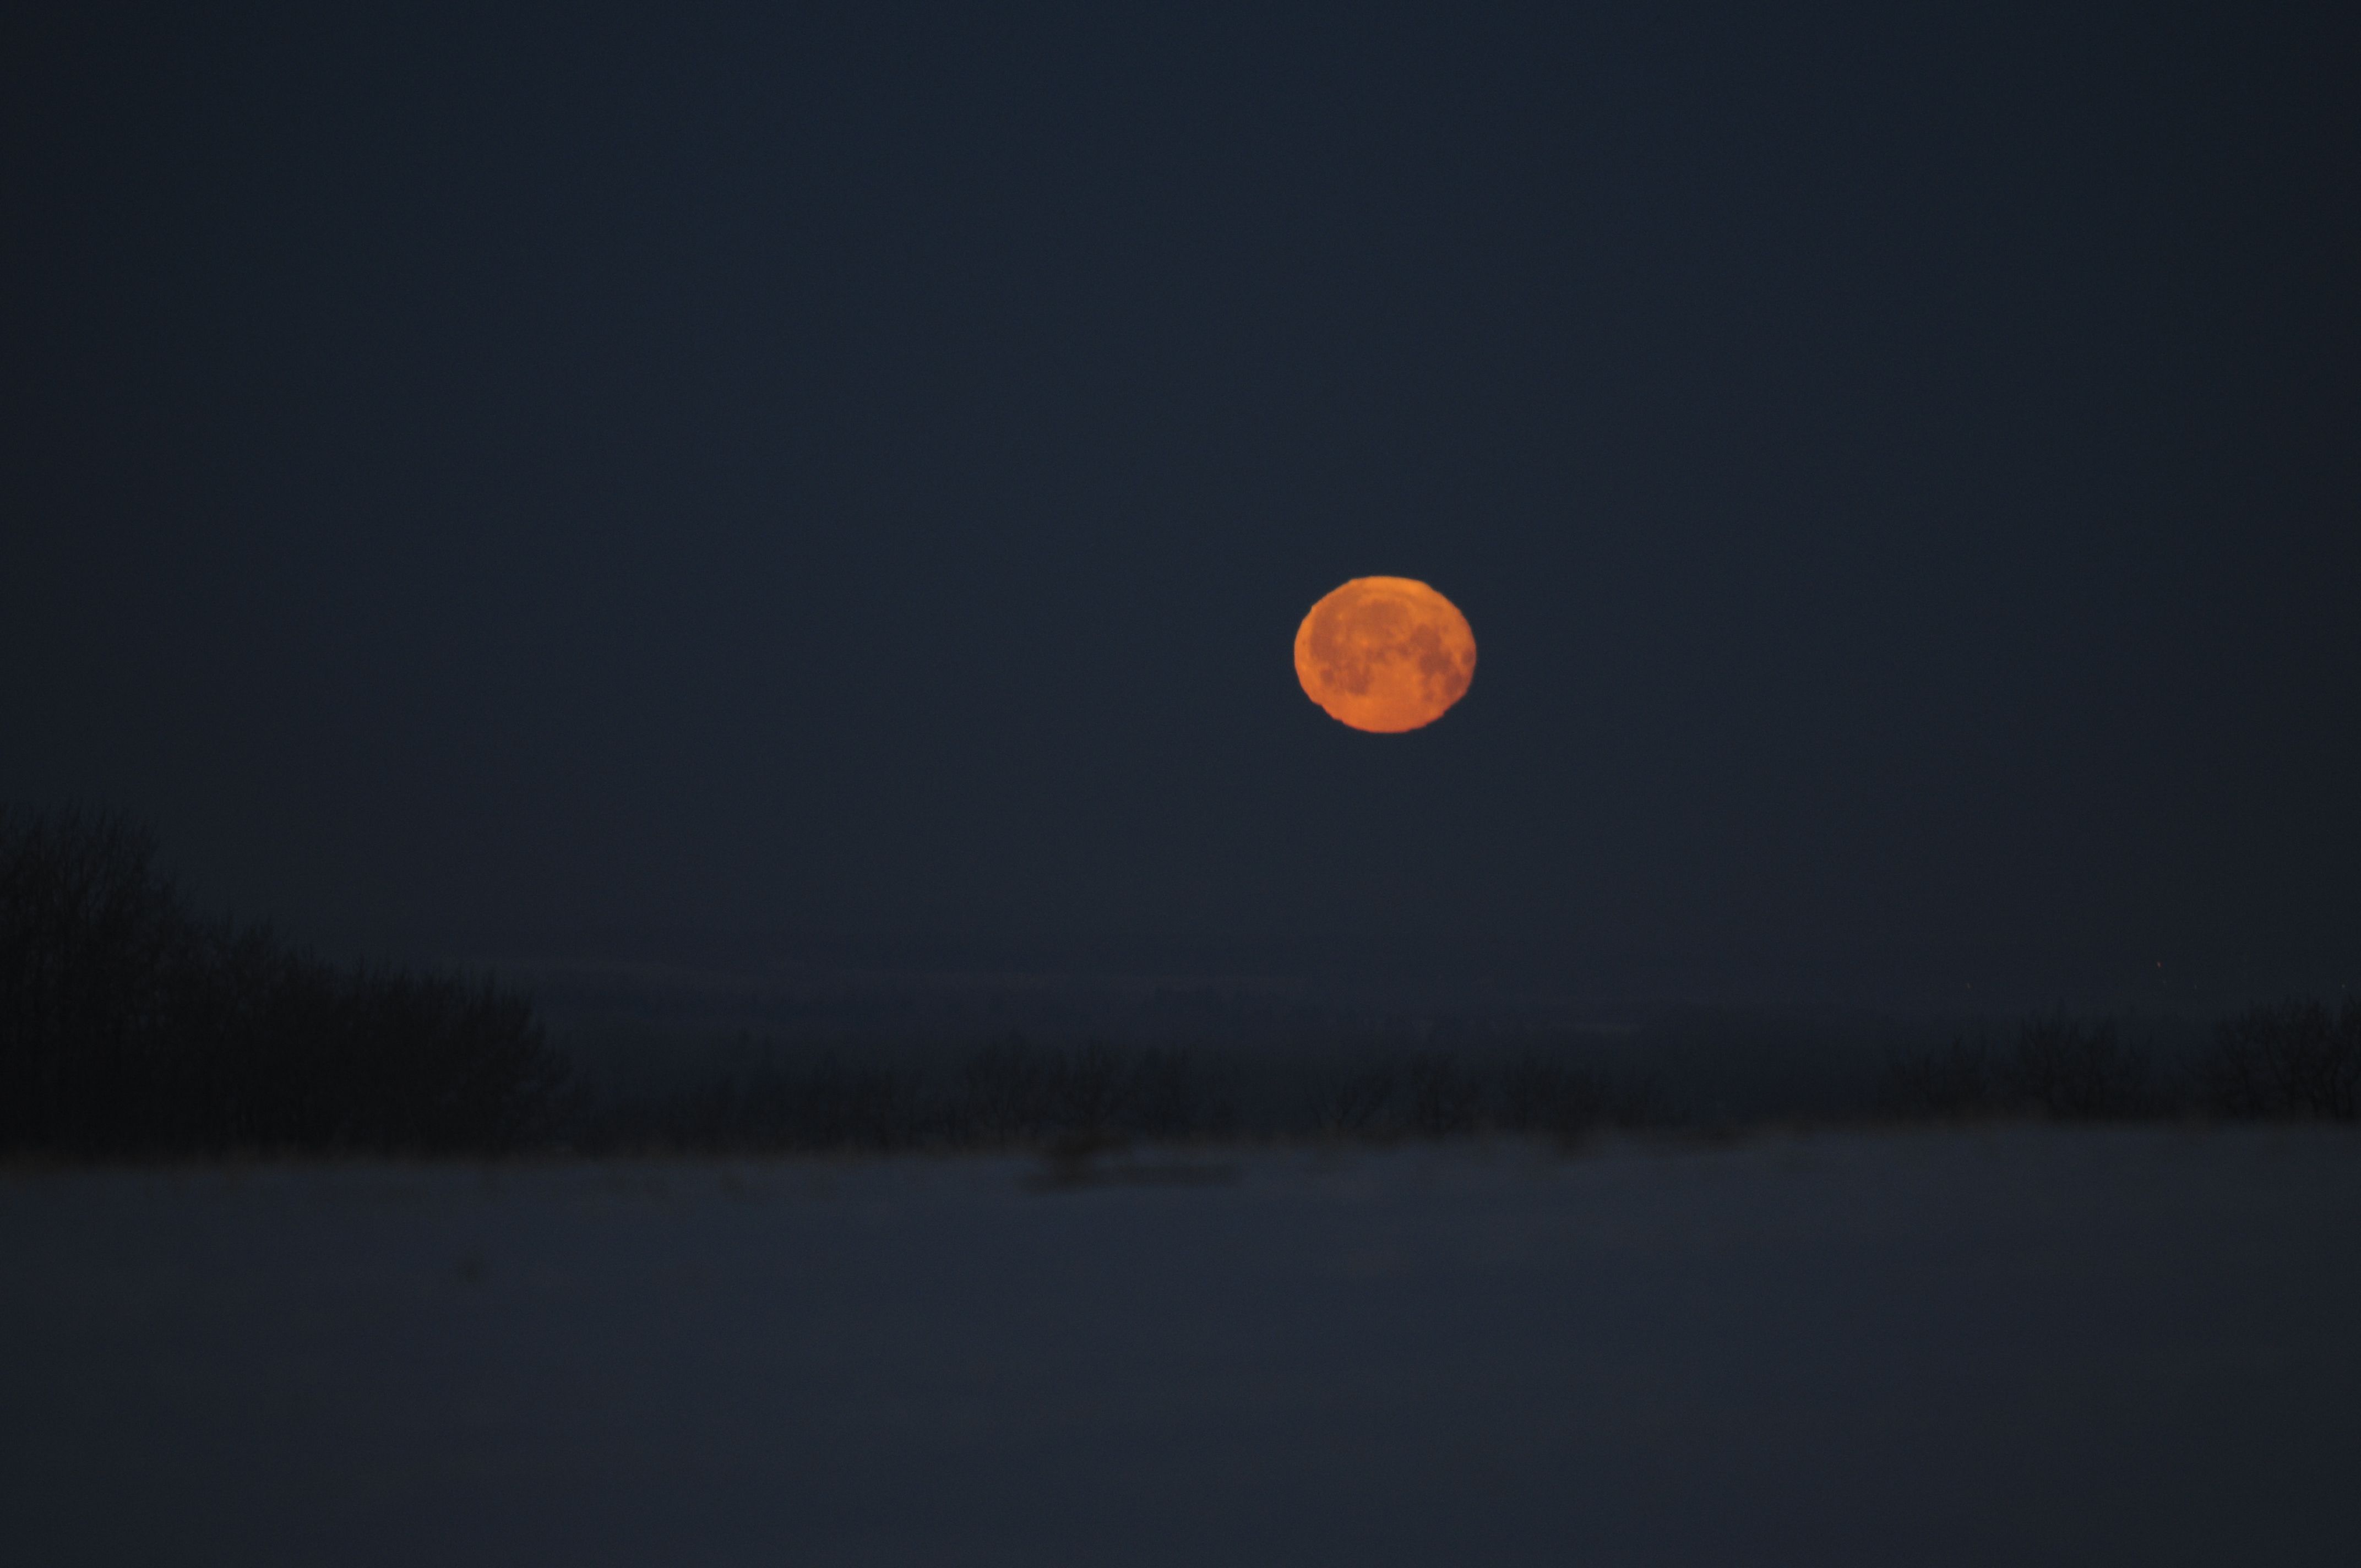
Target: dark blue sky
[{"x": 528, "y": 481}]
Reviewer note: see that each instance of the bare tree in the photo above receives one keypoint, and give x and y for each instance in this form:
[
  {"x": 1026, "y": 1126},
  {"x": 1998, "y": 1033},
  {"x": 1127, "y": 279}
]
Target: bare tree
[
  {"x": 2295, "y": 1060},
  {"x": 128, "y": 1027},
  {"x": 1353, "y": 1105}
]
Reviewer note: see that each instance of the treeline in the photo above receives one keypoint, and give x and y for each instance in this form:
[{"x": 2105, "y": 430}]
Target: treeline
[
  {"x": 130, "y": 1027},
  {"x": 2294, "y": 1060},
  {"x": 1014, "y": 1093}
]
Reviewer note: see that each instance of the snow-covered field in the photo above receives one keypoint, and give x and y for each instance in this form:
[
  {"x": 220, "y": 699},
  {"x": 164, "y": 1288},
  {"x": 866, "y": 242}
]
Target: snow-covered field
[{"x": 2001, "y": 1346}]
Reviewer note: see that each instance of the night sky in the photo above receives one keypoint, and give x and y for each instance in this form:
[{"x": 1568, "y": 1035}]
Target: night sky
[{"x": 715, "y": 484}]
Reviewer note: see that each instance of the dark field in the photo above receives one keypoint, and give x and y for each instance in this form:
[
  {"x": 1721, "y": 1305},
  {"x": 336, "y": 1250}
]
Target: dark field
[{"x": 2008, "y": 1344}]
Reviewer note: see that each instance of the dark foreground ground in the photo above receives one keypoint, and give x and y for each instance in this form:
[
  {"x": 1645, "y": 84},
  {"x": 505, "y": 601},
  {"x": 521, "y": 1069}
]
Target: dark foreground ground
[{"x": 2011, "y": 1344}]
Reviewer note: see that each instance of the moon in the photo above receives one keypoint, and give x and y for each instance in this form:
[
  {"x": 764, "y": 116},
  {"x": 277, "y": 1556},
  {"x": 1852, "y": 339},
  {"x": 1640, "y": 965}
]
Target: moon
[{"x": 1385, "y": 654}]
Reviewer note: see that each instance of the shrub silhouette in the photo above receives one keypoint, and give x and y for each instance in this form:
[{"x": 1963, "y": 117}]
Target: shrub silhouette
[
  {"x": 1005, "y": 1093},
  {"x": 1355, "y": 1104},
  {"x": 2076, "y": 1071},
  {"x": 1549, "y": 1099},
  {"x": 767, "y": 1108},
  {"x": 1446, "y": 1098},
  {"x": 1956, "y": 1083},
  {"x": 1174, "y": 1097},
  {"x": 131, "y": 1028},
  {"x": 1010, "y": 1093},
  {"x": 2292, "y": 1060},
  {"x": 2061, "y": 1068}
]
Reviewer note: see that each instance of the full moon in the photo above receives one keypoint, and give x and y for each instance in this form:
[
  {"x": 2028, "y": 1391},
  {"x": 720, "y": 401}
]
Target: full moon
[{"x": 1385, "y": 654}]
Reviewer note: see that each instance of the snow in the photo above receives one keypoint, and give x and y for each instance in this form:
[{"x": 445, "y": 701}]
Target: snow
[{"x": 2015, "y": 1344}]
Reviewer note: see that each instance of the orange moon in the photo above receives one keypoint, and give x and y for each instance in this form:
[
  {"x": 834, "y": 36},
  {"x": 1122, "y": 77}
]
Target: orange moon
[{"x": 1385, "y": 654}]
